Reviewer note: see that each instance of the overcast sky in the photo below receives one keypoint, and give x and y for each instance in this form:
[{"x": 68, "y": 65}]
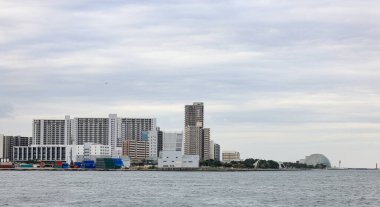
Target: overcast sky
[{"x": 279, "y": 79}]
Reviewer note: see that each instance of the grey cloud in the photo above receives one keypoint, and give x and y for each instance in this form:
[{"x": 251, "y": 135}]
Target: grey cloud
[
  {"x": 5, "y": 110},
  {"x": 230, "y": 52}
]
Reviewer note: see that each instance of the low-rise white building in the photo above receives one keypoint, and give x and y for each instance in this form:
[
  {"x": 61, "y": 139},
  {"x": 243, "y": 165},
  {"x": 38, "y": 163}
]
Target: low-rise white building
[
  {"x": 175, "y": 159},
  {"x": 229, "y": 156},
  {"x": 90, "y": 151},
  {"x": 67, "y": 153},
  {"x": 42, "y": 153}
]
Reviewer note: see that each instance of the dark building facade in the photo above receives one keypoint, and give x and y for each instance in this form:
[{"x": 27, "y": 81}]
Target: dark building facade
[
  {"x": 9, "y": 142},
  {"x": 197, "y": 138},
  {"x": 217, "y": 152},
  {"x": 194, "y": 114},
  {"x": 160, "y": 136}
]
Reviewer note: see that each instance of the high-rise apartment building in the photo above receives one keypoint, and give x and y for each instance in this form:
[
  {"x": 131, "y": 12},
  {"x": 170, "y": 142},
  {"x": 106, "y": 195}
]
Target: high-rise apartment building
[
  {"x": 194, "y": 114},
  {"x": 197, "y": 142},
  {"x": 104, "y": 131},
  {"x": 2, "y": 148},
  {"x": 136, "y": 150},
  {"x": 151, "y": 137},
  {"x": 212, "y": 150},
  {"x": 69, "y": 125},
  {"x": 197, "y": 138},
  {"x": 114, "y": 131},
  {"x": 216, "y": 152},
  {"x": 193, "y": 141},
  {"x": 205, "y": 144},
  {"x": 49, "y": 132},
  {"x": 160, "y": 135},
  {"x": 132, "y": 128},
  {"x": 8, "y": 142},
  {"x": 92, "y": 130}
]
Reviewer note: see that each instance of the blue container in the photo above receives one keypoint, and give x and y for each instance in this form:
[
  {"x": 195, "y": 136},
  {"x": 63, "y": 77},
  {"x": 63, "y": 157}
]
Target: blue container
[
  {"x": 118, "y": 163},
  {"x": 88, "y": 164},
  {"x": 65, "y": 165},
  {"x": 77, "y": 164}
]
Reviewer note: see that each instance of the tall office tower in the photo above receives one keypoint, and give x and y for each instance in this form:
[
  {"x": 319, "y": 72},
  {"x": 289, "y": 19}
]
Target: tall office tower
[
  {"x": 197, "y": 138},
  {"x": 160, "y": 135},
  {"x": 131, "y": 128},
  {"x": 194, "y": 114},
  {"x": 212, "y": 150},
  {"x": 151, "y": 137},
  {"x": 49, "y": 132},
  {"x": 172, "y": 141},
  {"x": 92, "y": 130},
  {"x": 8, "y": 142},
  {"x": 216, "y": 152}
]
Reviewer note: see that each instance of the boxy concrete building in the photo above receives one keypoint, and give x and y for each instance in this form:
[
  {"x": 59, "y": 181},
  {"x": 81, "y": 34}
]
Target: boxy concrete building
[{"x": 175, "y": 159}]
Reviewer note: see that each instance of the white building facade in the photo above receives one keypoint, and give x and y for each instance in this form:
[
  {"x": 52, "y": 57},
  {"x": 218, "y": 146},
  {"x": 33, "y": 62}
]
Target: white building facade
[
  {"x": 104, "y": 131},
  {"x": 2, "y": 149},
  {"x": 90, "y": 151},
  {"x": 50, "y": 132},
  {"x": 43, "y": 153},
  {"x": 65, "y": 153},
  {"x": 175, "y": 159},
  {"x": 151, "y": 137}
]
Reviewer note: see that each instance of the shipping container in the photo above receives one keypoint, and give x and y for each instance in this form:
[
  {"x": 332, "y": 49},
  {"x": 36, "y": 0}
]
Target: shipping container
[
  {"x": 118, "y": 163},
  {"x": 26, "y": 165},
  {"x": 109, "y": 163},
  {"x": 6, "y": 165},
  {"x": 77, "y": 164},
  {"x": 88, "y": 164}
]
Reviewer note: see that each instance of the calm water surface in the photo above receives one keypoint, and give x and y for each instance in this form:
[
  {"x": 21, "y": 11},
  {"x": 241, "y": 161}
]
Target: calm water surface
[{"x": 305, "y": 188}]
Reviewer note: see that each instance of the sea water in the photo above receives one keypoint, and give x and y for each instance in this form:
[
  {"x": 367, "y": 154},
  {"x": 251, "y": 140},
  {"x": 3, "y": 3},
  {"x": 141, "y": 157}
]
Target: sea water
[{"x": 156, "y": 188}]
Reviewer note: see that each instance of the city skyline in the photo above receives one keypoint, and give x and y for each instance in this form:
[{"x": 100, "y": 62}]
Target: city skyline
[{"x": 280, "y": 80}]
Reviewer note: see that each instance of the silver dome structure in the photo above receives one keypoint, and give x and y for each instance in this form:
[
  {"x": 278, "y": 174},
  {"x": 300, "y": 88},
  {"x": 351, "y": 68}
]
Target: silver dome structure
[{"x": 316, "y": 159}]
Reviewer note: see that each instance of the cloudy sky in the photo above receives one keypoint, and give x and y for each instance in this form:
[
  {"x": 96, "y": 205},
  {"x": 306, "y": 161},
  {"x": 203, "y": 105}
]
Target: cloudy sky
[{"x": 279, "y": 79}]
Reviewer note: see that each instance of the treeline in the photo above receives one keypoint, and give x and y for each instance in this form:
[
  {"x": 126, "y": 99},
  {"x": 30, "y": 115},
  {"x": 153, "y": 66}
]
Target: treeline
[
  {"x": 262, "y": 164},
  {"x": 298, "y": 165}
]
